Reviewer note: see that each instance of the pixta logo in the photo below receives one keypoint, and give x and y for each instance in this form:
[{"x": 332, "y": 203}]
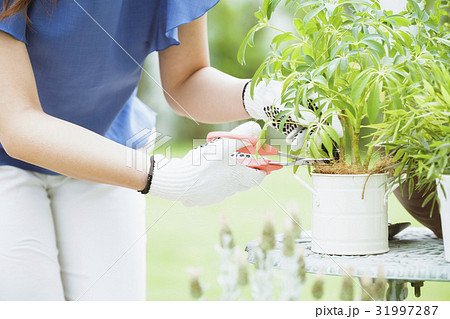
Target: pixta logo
[{"x": 144, "y": 143}]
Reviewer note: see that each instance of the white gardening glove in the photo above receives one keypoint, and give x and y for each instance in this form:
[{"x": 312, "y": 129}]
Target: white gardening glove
[
  {"x": 267, "y": 105},
  {"x": 207, "y": 174}
]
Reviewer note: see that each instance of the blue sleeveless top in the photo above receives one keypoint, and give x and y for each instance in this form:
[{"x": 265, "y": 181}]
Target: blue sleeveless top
[{"x": 87, "y": 57}]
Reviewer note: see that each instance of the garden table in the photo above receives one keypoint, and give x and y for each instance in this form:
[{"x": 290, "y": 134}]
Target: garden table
[{"x": 415, "y": 255}]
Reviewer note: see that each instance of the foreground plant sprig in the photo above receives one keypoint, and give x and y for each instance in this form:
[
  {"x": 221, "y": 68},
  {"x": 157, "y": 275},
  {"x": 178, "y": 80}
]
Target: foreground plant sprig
[{"x": 265, "y": 281}]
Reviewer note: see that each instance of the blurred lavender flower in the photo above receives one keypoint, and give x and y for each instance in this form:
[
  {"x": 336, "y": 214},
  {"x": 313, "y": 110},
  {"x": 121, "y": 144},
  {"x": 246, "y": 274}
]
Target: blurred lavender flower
[
  {"x": 317, "y": 288},
  {"x": 294, "y": 212},
  {"x": 243, "y": 271},
  {"x": 288, "y": 239},
  {"x": 300, "y": 252},
  {"x": 291, "y": 282},
  {"x": 262, "y": 280},
  {"x": 229, "y": 269},
  {"x": 380, "y": 285},
  {"x": 347, "y": 286},
  {"x": 228, "y": 278},
  {"x": 196, "y": 288},
  {"x": 268, "y": 236},
  {"x": 225, "y": 230},
  {"x": 366, "y": 288}
]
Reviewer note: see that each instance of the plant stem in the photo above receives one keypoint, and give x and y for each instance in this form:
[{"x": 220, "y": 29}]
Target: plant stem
[
  {"x": 355, "y": 140},
  {"x": 370, "y": 150},
  {"x": 368, "y": 157},
  {"x": 351, "y": 134},
  {"x": 356, "y": 156},
  {"x": 342, "y": 143}
]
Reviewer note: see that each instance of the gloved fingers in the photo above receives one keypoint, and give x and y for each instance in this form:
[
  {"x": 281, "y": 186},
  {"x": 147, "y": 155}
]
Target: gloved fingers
[
  {"x": 269, "y": 93},
  {"x": 290, "y": 125},
  {"x": 318, "y": 141},
  {"x": 265, "y": 95},
  {"x": 306, "y": 117},
  {"x": 230, "y": 146},
  {"x": 247, "y": 177},
  {"x": 337, "y": 125},
  {"x": 222, "y": 148},
  {"x": 249, "y": 128},
  {"x": 240, "y": 179},
  {"x": 296, "y": 139}
]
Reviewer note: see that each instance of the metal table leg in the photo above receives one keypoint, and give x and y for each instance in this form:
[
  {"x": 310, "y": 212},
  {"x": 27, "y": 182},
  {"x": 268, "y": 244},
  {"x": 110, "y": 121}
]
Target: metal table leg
[{"x": 397, "y": 290}]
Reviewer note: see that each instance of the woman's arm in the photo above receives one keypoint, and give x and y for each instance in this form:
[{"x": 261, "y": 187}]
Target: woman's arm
[
  {"x": 193, "y": 88},
  {"x": 30, "y": 135}
]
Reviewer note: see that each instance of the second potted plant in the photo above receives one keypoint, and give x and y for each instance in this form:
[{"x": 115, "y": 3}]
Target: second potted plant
[{"x": 419, "y": 136}]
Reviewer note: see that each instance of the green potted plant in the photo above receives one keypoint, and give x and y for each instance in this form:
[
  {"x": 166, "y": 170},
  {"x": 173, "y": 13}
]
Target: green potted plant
[
  {"x": 353, "y": 59},
  {"x": 419, "y": 136}
]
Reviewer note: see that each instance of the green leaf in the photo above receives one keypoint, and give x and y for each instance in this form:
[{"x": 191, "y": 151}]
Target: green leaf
[
  {"x": 416, "y": 8},
  {"x": 332, "y": 133},
  {"x": 335, "y": 50},
  {"x": 309, "y": 60},
  {"x": 395, "y": 97},
  {"x": 311, "y": 14},
  {"x": 355, "y": 32},
  {"x": 280, "y": 116},
  {"x": 332, "y": 67},
  {"x": 343, "y": 105},
  {"x": 289, "y": 79},
  {"x": 248, "y": 41},
  {"x": 283, "y": 37},
  {"x": 445, "y": 94},
  {"x": 326, "y": 141},
  {"x": 373, "y": 36},
  {"x": 373, "y": 102},
  {"x": 359, "y": 84},
  {"x": 283, "y": 123},
  {"x": 344, "y": 65},
  {"x": 443, "y": 41},
  {"x": 432, "y": 27},
  {"x": 429, "y": 87},
  {"x": 375, "y": 46},
  {"x": 313, "y": 149},
  {"x": 265, "y": 7},
  {"x": 399, "y": 20},
  {"x": 257, "y": 78},
  {"x": 269, "y": 7},
  {"x": 320, "y": 79},
  {"x": 259, "y": 15},
  {"x": 299, "y": 26}
]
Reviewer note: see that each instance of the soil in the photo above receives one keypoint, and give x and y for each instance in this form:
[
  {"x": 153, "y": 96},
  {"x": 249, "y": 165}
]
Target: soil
[{"x": 385, "y": 165}]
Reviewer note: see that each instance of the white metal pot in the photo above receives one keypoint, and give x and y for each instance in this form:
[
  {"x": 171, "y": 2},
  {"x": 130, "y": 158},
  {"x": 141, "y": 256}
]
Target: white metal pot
[
  {"x": 349, "y": 214},
  {"x": 444, "y": 204}
]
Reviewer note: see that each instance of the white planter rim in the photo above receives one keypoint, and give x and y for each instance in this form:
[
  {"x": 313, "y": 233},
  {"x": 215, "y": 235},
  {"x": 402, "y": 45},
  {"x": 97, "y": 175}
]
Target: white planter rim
[{"x": 347, "y": 175}]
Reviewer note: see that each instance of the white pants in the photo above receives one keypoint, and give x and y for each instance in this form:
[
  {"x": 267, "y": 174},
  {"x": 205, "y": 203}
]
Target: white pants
[{"x": 60, "y": 236}]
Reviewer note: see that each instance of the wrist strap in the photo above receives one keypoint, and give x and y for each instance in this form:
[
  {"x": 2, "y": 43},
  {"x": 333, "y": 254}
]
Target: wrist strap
[
  {"x": 149, "y": 177},
  {"x": 243, "y": 96}
]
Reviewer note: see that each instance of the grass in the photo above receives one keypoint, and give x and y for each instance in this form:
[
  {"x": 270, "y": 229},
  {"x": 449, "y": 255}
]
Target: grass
[{"x": 181, "y": 237}]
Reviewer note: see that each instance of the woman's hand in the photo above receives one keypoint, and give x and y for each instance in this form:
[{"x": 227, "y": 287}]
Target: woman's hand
[
  {"x": 266, "y": 105},
  {"x": 208, "y": 174}
]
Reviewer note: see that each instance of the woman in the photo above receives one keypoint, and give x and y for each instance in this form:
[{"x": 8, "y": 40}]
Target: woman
[{"x": 69, "y": 209}]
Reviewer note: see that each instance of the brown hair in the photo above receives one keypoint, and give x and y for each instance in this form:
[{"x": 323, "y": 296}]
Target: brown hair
[{"x": 11, "y": 7}]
